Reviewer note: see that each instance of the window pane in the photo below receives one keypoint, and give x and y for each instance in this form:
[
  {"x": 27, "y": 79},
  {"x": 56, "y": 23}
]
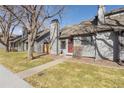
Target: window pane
[
  {"x": 63, "y": 45},
  {"x": 87, "y": 40}
]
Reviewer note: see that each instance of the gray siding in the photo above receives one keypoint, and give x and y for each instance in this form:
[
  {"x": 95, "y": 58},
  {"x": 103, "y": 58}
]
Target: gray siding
[
  {"x": 121, "y": 41},
  {"x": 108, "y": 46},
  {"x": 83, "y": 49},
  {"x": 104, "y": 45},
  {"x": 38, "y": 46}
]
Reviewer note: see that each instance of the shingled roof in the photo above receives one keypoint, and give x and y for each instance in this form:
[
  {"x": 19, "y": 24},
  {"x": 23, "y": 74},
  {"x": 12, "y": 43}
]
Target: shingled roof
[
  {"x": 115, "y": 11},
  {"x": 41, "y": 34},
  {"x": 17, "y": 38},
  {"x": 113, "y": 23},
  {"x": 22, "y": 39},
  {"x": 79, "y": 29}
]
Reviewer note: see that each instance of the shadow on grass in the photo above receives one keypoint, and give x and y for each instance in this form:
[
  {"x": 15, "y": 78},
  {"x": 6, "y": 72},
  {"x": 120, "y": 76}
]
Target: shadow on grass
[{"x": 38, "y": 56}]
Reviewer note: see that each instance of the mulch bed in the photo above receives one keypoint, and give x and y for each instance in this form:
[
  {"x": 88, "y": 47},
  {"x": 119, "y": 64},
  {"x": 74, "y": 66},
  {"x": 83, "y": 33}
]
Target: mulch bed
[{"x": 105, "y": 63}]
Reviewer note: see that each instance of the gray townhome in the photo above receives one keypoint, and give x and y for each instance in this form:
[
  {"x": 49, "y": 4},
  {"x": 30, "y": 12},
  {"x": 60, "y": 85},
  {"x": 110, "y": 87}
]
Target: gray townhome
[
  {"x": 102, "y": 37},
  {"x": 47, "y": 41},
  {"x": 41, "y": 43}
]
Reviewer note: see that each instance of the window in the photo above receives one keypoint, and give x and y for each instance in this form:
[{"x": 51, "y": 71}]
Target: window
[
  {"x": 87, "y": 40},
  {"x": 63, "y": 45}
]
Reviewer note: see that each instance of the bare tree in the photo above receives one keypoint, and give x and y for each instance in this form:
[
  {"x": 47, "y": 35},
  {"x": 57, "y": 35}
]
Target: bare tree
[
  {"x": 33, "y": 19},
  {"x": 7, "y": 25}
]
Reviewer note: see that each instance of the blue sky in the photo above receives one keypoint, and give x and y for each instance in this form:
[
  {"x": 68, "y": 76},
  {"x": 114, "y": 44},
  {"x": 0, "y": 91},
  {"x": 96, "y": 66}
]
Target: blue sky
[{"x": 74, "y": 14}]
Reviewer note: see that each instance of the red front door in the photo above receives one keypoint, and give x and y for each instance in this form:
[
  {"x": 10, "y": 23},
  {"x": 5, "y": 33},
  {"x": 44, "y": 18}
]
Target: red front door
[{"x": 70, "y": 45}]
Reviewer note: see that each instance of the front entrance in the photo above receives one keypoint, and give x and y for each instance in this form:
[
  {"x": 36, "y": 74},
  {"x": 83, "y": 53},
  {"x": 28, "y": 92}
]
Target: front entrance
[
  {"x": 46, "y": 48},
  {"x": 70, "y": 45}
]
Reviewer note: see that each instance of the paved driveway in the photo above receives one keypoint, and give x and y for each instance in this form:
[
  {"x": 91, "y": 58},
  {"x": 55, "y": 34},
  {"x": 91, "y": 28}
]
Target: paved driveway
[{"x": 10, "y": 80}]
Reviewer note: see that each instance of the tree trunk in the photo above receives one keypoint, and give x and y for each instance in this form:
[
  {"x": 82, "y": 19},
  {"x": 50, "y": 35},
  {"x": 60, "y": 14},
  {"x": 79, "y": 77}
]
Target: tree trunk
[
  {"x": 7, "y": 48},
  {"x": 30, "y": 48}
]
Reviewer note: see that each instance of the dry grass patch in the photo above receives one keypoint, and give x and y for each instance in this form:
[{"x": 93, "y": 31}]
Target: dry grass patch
[
  {"x": 71, "y": 75},
  {"x": 17, "y": 61}
]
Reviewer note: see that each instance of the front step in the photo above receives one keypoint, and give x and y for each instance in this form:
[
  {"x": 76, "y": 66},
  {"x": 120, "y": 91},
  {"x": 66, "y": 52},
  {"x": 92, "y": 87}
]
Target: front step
[{"x": 69, "y": 54}]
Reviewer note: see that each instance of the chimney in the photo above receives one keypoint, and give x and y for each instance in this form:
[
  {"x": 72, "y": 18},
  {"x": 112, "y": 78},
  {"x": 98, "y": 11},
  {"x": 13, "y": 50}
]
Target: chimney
[
  {"x": 54, "y": 37},
  {"x": 101, "y": 15}
]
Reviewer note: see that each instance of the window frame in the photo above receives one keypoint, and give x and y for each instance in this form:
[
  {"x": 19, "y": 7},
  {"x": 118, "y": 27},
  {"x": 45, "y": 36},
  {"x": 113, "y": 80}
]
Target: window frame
[
  {"x": 86, "y": 41},
  {"x": 63, "y": 44}
]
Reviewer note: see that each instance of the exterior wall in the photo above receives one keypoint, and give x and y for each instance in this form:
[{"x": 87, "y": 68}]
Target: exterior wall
[
  {"x": 121, "y": 41},
  {"x": 38, "y": 46},
  {"x": 89, "y": 49},
  {"x": 64, "y": 51},
  {"x": 107, "y": 45},
  {"x": 83, "y": 49},
  {"x": 20, "y": 46},
  {"x": 25, "y": 46},
  {"x": 77, "y": 47},
  {"x": 110, "y": 45}
]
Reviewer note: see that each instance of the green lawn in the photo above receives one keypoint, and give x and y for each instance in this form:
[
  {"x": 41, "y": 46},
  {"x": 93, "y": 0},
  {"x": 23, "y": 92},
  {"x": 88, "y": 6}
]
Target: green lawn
[
  {"x": 72, "y": 74},
  {"x": 17, "y": 61}
]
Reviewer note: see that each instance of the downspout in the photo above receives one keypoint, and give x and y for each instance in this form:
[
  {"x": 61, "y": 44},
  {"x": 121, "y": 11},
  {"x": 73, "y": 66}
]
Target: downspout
[
  {"x": 57, "y": 39},
  {"x": 120, "y": 48},
  {"x": 95, "y": 48}
]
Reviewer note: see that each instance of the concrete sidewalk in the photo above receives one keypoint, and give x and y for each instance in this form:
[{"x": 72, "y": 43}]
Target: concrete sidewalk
[
  {"x": 40, "y": 68},
  {"x": 10, "y": 80}
]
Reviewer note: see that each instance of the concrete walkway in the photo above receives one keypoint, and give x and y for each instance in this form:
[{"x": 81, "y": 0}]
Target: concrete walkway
[
  {"x": 40, "y": 68},
  {"x": 10, "y": 80}
]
